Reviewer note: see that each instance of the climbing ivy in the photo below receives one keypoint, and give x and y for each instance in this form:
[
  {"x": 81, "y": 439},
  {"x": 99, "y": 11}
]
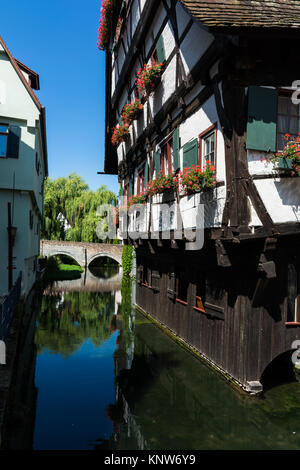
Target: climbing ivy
[{"x": 127, "y": 260}]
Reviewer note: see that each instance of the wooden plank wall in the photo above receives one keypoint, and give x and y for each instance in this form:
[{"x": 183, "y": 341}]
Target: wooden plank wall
[{"x": 248, "y": 338}]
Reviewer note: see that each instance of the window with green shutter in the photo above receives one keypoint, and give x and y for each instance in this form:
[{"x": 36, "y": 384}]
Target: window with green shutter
[
  {"x": 262, "y": 119},
  {"x": 160, "y": 50},
  {"x": 157, "y": 162},
  {"x": 176, "y": 149},
  {"x": 146, "y": 173},
  {"x": 190, "y": 153},
  {"x": 130, "y": 187}
]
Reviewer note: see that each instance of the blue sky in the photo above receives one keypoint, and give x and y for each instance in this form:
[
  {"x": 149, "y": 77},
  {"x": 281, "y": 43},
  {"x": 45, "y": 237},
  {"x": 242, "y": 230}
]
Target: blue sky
[{"x": 58, "y": 40}]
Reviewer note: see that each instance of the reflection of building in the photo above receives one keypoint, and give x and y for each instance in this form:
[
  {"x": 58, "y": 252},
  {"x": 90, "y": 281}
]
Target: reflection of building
[
  {"x": 219, "y": 98},
  {"x": 23, "y": 167}
]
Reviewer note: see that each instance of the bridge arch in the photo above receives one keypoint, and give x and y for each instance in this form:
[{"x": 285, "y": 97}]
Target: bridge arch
[
  {"x": 103, "y": 255},
  {"x": 63, "y": 253},
  {"x": 280, "y": 369},
  {"x": 83, "y": 253}
]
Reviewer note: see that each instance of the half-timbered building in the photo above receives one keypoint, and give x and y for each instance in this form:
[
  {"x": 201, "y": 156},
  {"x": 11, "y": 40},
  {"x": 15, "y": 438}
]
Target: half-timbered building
[{"x": 225, "y": 97}]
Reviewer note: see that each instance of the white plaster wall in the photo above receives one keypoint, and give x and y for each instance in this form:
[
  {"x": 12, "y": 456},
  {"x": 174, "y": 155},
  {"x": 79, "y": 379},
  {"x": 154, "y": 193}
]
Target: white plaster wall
[
  {"x": 259, "y": 163},
  {"x": 135, "y": 15},
  {"x": 165, "y": 89},
  {"x": 194, "y": 45},
  {"x": 18, "y": 103},
  {"x": 182, "y": 18},
  {"x": 23, "y": 168},
  {"x": 281, "y": 197},
  {"x": 201, "y": 120},
  {"x": 27, "y": 241}
]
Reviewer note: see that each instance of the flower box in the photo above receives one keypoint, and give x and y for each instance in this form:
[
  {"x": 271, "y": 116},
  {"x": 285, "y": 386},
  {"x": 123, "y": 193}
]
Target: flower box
[
  {"x": 285, "y": 164},
  {"x": 120, "y": 134},
  {"x": 132, "y": 111},
  {"x": 148, "y": 78}
]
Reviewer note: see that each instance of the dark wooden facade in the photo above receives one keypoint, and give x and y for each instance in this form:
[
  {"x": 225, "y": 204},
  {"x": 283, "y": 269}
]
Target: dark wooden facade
[{"x": 244, "y": 325}]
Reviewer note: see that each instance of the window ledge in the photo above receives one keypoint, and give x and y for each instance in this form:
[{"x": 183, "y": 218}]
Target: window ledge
[
  {"x": 146, "y": 285},
  {"x": 292, "y": 323},
  {"x": 181, "y": 302},
  {"x": 199, "y": 310}
]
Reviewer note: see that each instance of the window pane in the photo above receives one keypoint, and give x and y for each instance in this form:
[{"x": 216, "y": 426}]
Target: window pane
[
  {"x": 280, "y": 141},
  {"x": 283, "y": 124},
  {"x": 283, "y": 104},
  {"x": 294, "y": 109},
  {"x": 294, "y": 125},
  {"x": 206, "y": 153},
  {"x": 3, "y": 144}
]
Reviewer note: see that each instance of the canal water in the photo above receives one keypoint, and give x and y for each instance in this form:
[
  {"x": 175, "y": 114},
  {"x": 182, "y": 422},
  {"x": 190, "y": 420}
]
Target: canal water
[{"x": 108, "y": 378}]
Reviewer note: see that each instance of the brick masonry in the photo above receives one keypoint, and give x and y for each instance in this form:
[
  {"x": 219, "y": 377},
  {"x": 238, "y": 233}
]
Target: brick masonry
[{"x": 82, "y": 253}]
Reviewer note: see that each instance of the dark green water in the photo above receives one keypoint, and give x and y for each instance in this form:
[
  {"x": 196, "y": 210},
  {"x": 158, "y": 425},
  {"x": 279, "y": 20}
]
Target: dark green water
[{"x": 108, "y": 378}]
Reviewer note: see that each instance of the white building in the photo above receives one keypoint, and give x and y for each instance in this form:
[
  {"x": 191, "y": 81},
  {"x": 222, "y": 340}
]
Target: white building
[
  {"x": 224, "y": 95},
  {"x": 23, "y": 168}
]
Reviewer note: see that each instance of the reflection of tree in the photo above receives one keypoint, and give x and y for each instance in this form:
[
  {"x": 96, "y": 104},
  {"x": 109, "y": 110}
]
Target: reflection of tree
[
  {"x": 68, "y": 320},
  {"x": 126, "y": 339}
]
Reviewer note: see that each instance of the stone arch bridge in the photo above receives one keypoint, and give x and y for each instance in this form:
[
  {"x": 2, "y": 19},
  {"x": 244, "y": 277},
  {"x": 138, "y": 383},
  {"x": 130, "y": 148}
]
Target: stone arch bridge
[{"x": 82, "y": 253}]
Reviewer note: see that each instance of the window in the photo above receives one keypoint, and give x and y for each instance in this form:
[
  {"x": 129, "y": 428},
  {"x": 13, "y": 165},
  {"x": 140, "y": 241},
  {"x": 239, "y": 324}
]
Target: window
[
  {"x": 141, "y": 180},
  {"x": 37, "y": 163},
  {"x": 207, "y": 147},
  {"x": 200, "y": 296},
  {"x": 126, "y": 190},
  {"x": 293, "y": 298},
  {"x": 166, "y": 157},
  {"x": 158, "y": 55},
  {"x": 3, "y": 139},
  {"x": 182, "y": 287},
  {"x": 30, "y": 219},
  {"x": 288, "y": 118}
]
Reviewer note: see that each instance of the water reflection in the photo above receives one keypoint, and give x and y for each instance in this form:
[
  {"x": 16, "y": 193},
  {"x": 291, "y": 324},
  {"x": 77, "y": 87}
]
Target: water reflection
[
  {"x": 108, "y": 378},
  {"x": 68, "y": 319},
  {"x": 167, "y": 399}
]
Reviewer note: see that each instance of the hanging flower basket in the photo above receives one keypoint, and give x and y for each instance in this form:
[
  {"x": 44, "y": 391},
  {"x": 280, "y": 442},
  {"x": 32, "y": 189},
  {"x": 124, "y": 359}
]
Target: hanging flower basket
[
  {"x": 132, "y": 111},
  {"x": 104, "y": 31},
  {"x": 120, "y": 134},
  {"x": 148, "y": 78}
]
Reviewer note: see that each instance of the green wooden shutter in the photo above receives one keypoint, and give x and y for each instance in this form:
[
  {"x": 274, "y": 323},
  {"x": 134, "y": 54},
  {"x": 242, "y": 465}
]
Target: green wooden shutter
[
  {"x": 157, "y": 162},
  {"x": 176, "y": 147},
  {"x": 190, "y": 153},
  {"x": 13, "y": 142},
  {"x": 146, "y": 173},
  {"x": 160, "y": 50},
  {"x": 131, "y": 187},
  {"x": 262, "y": 118}
]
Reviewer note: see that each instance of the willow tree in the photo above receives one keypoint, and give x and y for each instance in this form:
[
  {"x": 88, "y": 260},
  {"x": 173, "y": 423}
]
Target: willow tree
[{"x": 70, "y": 209}]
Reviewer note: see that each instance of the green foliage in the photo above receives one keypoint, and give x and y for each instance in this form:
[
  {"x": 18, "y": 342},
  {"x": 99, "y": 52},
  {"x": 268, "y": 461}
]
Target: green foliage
[
  {"x": 58, "y": 271},
  {"x": 70, "y": 209},
  {"x": 127, "y": 260}
]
